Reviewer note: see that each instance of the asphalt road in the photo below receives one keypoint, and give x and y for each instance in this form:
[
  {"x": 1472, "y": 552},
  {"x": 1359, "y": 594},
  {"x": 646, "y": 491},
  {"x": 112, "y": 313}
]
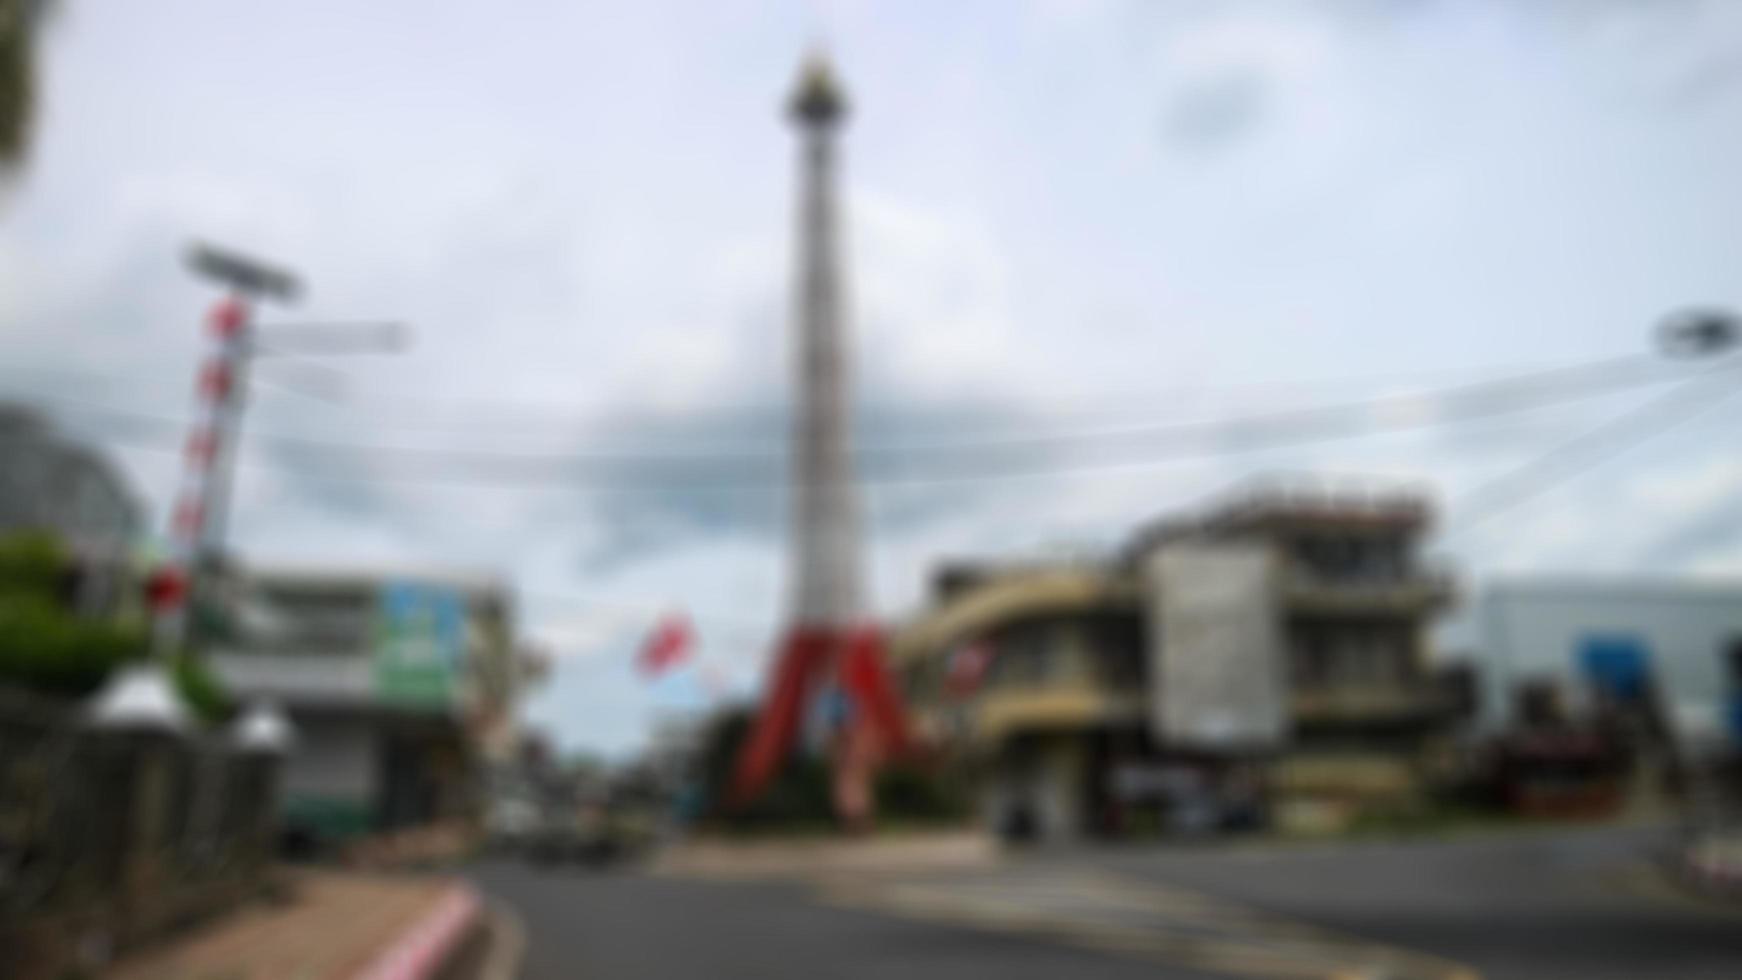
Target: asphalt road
[
  {"x": 610, "y": 926},
  {"x": 1532, "y": 906},
  {"x": 1573, "y": 904}
]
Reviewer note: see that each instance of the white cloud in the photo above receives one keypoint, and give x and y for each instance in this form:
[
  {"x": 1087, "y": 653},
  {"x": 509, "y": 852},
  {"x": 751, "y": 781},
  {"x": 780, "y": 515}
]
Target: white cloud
[
  {"x": 1692, "y": 489},
  {"x": 589, "y": 231},
  {"x": 1726, "y": 567},
  {"x": 589, "y": 633}
]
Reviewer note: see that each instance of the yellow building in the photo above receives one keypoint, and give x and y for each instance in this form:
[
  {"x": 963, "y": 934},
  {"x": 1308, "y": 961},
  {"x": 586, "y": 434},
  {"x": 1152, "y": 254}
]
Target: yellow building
[{"x": 1068, "y": 688}]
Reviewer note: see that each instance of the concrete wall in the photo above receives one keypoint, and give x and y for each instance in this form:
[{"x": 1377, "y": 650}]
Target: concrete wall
[{"x": 1536, "y": 628}]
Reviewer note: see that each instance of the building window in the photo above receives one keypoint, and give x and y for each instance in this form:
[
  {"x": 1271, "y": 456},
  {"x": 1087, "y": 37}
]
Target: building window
[
  {"x": 1364, "y": 655},
  {"x": 1116, "y": 647},
  {"x": 1352, "y": 558},
  {"x": 1028, "y": 655}
]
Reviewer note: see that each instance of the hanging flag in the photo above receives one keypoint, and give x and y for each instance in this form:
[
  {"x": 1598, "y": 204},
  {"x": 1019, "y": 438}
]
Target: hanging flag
[
  {"x": 967, "y": 668},
  {"x": 669, "y": 644}
]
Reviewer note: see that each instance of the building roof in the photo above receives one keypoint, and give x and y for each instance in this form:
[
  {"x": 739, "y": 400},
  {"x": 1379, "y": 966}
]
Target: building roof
[
  {"x": 1574, "y": 586},
  {"x": 1296, "y": 500},
  {"x": 369, "y": 577}
]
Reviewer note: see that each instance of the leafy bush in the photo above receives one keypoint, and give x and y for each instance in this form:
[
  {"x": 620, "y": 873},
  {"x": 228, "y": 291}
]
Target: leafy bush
[
  {"x": 201, "y": 690},
  {"x": 46, "y": 648},
  {"x": 924, "y": 795},
  {"x": 43, "y": 647},
  {"x": 32, "y": 563}
]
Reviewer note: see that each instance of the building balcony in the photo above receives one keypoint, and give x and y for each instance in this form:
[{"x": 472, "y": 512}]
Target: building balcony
[
  {"x": 318, "y": 679},
  {"x": 1349, "y": 776},
  {"x": 1369, "y": 704},
  {"x": 1306, "y": 590},
  {"x": 310, "y": 678},
  {"x": 998, "y": 713}
]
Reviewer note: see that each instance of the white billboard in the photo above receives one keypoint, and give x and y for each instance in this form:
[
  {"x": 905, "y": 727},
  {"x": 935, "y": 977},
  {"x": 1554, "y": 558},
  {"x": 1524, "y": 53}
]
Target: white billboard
[{"x": 1216, "y": 651}]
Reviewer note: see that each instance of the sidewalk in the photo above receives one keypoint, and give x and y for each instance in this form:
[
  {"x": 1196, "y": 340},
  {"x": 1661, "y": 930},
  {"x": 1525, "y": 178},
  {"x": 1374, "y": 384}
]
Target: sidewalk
[{"x": 331, "y": 926}]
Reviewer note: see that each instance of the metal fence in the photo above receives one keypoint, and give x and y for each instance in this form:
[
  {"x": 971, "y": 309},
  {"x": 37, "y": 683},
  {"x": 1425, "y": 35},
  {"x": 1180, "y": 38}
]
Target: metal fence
[{"x": 108, "y": 838}]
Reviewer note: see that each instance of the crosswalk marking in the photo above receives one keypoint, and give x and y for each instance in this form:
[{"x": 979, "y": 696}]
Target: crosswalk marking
[{"x": 1124, "y": 916}]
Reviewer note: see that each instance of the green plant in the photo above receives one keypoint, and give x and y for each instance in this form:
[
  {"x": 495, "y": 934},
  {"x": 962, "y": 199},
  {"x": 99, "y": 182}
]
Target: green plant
[
  {"x": 32, "y": 563},
  {"x": 201, "y": 689},
  {"x": 45, "y": 647},
  {"x": 923, "y": 795}
]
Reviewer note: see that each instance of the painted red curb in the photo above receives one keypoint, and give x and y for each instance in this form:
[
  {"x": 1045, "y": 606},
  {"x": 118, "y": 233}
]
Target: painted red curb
[{"x": 420, "y": 951}]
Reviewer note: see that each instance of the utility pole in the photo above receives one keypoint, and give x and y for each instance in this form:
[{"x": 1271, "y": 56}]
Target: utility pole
[
  {"x": 1698, "y": 333},
  {"x": 200, "y": 514},
  {"x": 196, "y": 521}
]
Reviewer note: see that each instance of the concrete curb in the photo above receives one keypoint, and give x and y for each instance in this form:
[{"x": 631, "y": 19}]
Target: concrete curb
[
  {"x": 421, "y": 951},
  {"x": 507, "y": 944}
]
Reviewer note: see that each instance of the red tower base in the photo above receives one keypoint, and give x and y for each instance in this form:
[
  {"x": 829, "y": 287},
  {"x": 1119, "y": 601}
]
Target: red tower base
[{"x": 876, "y": 726}]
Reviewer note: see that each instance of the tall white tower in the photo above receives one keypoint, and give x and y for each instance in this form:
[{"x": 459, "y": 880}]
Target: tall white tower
[
  {"x": 825, "y": 548},
  {"x": 829, "y": 645}
]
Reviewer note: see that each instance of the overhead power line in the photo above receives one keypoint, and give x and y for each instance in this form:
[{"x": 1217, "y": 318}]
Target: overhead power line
[
  {"x": 762, "y": 423},
  {"x": 760, "y": 427},
  {"x": 1588, "y": 449},
  {"x": 963, "y": 461}
]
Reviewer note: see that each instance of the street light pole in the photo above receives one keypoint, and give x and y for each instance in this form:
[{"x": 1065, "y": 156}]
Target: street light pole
[
  {"x": 201, "y": 510},
  {"x": 1701, "y": 332},
  {"x": 197, "y": 519}
]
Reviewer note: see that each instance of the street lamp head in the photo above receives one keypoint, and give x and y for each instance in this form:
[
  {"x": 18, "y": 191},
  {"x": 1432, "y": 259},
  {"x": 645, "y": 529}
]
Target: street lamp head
[
  {"x": 1702, "y": 332},
  {"x": 243, "y": 274}
]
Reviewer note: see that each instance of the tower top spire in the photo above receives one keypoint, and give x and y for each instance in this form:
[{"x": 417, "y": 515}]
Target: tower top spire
[{"x": 817, "y": 100}]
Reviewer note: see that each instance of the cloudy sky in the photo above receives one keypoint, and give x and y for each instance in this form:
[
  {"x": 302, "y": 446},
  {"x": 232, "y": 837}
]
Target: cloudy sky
[{"x": 1076, "y": 229}]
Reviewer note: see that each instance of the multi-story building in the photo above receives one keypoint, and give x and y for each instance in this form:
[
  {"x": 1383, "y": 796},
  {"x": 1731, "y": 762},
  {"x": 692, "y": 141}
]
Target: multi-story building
[
  {"x": 401, "y": 687},
  {"x": 1270, "y": 654}
]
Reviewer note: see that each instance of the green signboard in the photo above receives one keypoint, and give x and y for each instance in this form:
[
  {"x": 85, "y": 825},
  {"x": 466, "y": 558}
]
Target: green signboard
[{"x": 420, "y": 649}]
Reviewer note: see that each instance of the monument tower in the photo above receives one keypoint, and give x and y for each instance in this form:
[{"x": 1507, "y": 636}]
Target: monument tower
[
  {"x": 826, "y": 589},
  {"x": 830, "y": 645}
]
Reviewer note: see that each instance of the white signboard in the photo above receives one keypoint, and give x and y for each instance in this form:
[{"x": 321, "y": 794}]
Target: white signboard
[{"x": 1215, "y": 647}]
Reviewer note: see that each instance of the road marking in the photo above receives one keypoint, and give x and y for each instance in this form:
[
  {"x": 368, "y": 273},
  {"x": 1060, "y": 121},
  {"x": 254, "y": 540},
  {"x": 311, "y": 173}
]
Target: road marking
[
  {"x": 1112, "y": 914},
  {"x": 1651, "y": 882}
]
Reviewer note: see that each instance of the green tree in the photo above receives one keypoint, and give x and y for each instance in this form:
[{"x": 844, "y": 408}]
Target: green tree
[
  {"x": 20, "y": 29},
  {"x": 45, "y": 647},
  {"x": 797, "y": 799},
  {"x": 201, "y": 689},
  {"x": 42, "y": 645}
]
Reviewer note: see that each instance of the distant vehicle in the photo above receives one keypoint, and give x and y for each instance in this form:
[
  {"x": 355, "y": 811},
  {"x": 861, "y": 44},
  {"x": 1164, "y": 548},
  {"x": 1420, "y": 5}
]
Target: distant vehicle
[
  {"x": 592, "y": 834},
  {"x": 511, "y": 824}
]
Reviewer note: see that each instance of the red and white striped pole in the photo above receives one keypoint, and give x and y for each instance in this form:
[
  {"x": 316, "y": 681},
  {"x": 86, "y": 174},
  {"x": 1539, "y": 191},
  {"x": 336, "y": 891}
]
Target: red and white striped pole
[{"x": 196, "y": 521}]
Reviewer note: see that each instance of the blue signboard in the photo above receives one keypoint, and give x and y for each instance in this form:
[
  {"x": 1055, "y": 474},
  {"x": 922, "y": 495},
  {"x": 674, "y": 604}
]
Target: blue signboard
[
  {"x": 420, "y": 644},
  {"x": 1617, "y": 666}
]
